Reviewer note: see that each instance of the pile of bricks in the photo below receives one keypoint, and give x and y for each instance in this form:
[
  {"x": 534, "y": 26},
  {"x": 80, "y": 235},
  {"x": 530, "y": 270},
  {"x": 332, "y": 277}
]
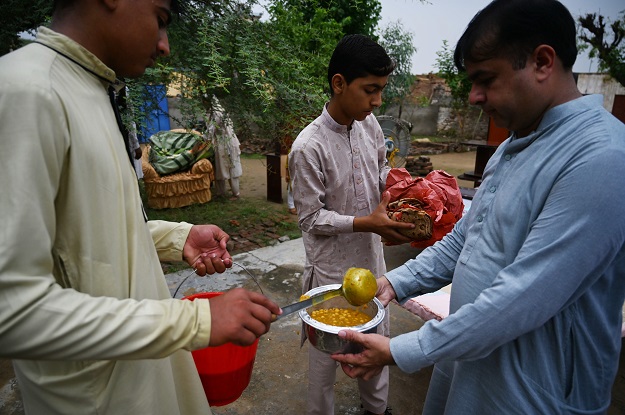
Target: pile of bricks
[{"x": 419, "y": 165}]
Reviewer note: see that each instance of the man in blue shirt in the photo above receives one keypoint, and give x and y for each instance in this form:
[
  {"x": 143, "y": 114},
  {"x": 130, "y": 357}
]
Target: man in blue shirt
[{"x": 538, "y": 263}]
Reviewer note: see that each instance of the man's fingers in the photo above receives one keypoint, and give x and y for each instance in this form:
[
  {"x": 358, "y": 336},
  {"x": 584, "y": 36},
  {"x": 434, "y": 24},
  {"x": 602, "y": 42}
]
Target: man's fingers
[
  {"x": 227, "y": 260},
  {"x": 240, "y": 316},
  {"x": 360, "y": 372},
  {"x": 211, "y": 264},
  {"x": 265, "y": 302},
  {"x": 354, "y": 337},
  {"x": 349, "y": 370},
  {"x": 351, "y": 335}
]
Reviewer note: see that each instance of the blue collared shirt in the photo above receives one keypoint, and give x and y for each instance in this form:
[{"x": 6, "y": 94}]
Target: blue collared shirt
[{"x": 538, "y": 272}]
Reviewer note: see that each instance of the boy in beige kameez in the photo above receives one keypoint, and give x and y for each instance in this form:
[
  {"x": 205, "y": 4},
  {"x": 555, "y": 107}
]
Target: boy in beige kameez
[{"x": 339, "y": 169}]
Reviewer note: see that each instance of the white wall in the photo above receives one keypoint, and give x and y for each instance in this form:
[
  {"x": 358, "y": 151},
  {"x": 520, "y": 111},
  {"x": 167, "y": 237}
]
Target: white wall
[{"x": 595, "y": 83}]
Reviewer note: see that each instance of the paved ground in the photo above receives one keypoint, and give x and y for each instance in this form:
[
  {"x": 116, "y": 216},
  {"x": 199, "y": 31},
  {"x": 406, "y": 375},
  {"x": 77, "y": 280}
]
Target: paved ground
[{"x": 279, "y": 380}]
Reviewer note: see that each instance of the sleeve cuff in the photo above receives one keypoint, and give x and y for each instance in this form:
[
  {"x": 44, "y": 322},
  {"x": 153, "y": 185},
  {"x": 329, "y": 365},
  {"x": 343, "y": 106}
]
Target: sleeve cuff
[
  {"x": 408, "y": 354},
  {"x": 203, "y": 336},
  {"x": 169, "y": 238}
]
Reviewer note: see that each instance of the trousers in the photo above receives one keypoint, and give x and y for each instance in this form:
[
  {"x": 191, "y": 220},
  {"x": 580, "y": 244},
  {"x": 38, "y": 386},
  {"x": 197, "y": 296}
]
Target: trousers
[{"x": 322, "y": 376}]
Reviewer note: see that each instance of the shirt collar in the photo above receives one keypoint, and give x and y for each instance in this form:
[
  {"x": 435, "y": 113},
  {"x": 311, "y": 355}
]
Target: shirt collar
[
  {"x": 553, "y": 116},
  {"x": 78, "y": 54},
  {"x": 559, "y": 112},
  {"x": 333, "y": 125}
]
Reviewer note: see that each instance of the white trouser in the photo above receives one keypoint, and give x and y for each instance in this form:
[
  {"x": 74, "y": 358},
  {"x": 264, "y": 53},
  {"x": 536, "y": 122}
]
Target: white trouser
[
  {"x": 322, "y": 375},
  {"x": 220, "y": 187}
]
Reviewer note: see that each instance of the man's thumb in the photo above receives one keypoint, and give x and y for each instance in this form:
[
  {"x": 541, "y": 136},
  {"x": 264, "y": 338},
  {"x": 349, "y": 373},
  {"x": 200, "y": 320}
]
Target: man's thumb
[
  {"x": 350, "y": 335},
  {"x": 386, "y": 197}
]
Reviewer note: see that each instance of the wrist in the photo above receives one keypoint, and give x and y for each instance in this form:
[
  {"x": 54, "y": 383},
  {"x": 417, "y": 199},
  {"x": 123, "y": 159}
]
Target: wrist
[{"x": 360, "y": 224}]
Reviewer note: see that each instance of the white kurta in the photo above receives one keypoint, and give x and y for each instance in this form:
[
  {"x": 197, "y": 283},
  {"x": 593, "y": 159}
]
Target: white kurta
[
  {"x": 86, "y": 313},
  {"x": 338, "y": 175},
  {"x": 226, "y": 144}
]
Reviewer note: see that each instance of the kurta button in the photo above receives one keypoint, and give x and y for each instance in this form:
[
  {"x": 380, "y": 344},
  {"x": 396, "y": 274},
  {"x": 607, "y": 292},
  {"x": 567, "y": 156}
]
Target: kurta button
[
  {"x": 508, "y": 157},
  {"x": 492, "y": 189},
  {"x": 480, "y": 218}
]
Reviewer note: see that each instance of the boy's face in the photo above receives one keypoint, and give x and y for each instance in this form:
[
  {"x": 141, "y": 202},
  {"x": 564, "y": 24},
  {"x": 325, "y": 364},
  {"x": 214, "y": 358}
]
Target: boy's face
[
  {"x": 140, "y": 36},
  {"x": 357, "y": 100}
]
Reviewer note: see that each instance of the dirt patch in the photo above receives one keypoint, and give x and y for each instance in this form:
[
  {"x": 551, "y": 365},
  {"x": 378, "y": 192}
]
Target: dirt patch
[{"x": 254, "y": 179}]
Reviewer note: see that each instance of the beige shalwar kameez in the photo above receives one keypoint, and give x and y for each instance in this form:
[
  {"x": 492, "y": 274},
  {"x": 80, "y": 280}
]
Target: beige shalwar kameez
[
  {"x": 338, "y": 174},
  {"x": 86, "y": 313}
]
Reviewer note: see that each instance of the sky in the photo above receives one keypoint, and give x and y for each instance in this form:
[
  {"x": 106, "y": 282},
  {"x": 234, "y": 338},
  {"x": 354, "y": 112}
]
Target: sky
[{"x": 441, "y": 20}]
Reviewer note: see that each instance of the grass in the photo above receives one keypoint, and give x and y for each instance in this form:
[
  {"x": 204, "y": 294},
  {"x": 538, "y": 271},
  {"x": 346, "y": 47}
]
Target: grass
[
  {"x": 250, "y": 218},
  {"x": 231, "y": 216}
]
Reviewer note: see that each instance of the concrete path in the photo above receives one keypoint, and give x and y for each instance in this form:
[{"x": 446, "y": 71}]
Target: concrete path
[{"x": 279, "y": 380}]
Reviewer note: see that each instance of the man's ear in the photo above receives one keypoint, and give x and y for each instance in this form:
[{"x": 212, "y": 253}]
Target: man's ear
[
  {"x": 338, "y": 83},
  {"x": 544, "y": 61},
  {"x": 110, "y": 4}
]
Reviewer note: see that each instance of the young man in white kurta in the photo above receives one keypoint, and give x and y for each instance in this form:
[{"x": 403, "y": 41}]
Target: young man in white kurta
[
  {"x": 339, "y": 170},
  {"x": 227, "y": 148},
  {"x": 86, "y": 313}
]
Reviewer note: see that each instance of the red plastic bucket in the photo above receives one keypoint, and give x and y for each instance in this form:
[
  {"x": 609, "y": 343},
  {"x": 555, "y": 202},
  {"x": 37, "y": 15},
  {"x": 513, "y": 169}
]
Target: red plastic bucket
[{"x": 225, "y": 370}]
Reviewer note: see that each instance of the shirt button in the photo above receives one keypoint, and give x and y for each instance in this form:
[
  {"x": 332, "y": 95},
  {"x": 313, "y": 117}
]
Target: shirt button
[
  {"x": 356, "y": 165},
  {"x": 480, "y": 218},
  {"x": 508, "y": 157}
]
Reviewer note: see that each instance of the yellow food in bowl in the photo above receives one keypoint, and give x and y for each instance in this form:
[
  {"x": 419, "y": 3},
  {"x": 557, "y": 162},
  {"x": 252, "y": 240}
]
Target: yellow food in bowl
[{"x": 341, "y": 317}]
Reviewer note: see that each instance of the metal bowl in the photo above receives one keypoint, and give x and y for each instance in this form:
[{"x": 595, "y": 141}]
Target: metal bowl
[{"x": 325, "y": 337}]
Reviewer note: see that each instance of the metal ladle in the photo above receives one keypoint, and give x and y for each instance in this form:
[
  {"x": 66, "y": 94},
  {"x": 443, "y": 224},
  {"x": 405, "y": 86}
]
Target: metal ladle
[{"x": 359, "y": 287}]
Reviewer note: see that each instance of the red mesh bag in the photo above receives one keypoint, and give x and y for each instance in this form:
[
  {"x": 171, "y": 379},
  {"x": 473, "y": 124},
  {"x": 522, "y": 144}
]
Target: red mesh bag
[{"x": 439, "y": 194}]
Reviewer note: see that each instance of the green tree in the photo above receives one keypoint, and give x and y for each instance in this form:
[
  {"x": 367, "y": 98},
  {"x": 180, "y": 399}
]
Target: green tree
[
  {"x": 270, "y": 85},
  {"x": 457, "y": 81},
  {"x": 354, "y": 16},
  {"x": 20, "y": 16},
  {"x": 303, "y": 47},
  {"x": 269, "y": 75},
  {"x": 458, "y": 84},
  {"x": 398, "y": 44},
  {"x": 606, "y": 45}
]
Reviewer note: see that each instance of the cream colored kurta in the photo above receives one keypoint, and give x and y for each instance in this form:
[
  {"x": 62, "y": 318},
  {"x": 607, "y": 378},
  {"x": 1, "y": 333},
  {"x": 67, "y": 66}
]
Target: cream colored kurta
[
  {"x": 86, "y": 313},
  {"x": 226, "y": 144}
]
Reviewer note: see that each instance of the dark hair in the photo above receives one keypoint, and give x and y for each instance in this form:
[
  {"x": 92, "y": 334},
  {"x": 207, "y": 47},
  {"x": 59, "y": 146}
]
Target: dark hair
[
  {"x": 512, "y": 29},
  {"x": 176, "y": 7},
  {"x": 357, "y": 56},
  {"x": 61, "y": 4}
]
